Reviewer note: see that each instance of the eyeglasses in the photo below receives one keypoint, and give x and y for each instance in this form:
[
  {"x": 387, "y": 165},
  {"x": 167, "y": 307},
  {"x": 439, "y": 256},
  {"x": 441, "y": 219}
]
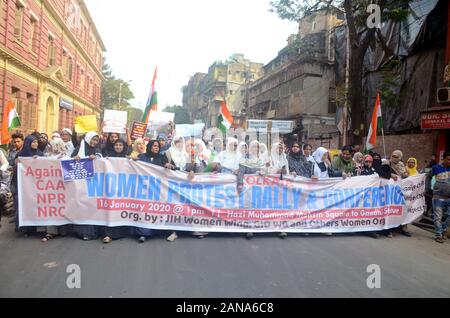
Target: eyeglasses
[{"x": 395, "y": 157}]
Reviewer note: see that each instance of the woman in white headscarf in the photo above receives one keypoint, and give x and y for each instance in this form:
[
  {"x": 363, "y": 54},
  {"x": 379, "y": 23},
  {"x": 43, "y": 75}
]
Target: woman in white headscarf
[
  {"x": 242, "y": 151},
  {"x": 66, "y": 136},
  {"x": 89, "y": 148},
  {"x": 264, "y": 153},
  {"x": 177, "y": 154},
  {"x": 252, "y": 164},
  {"x": 322, "y": 163},
  {"x": 229, "y": 159},
  {"x": 56, "y": 149},
  {"x": 279, "y": 162}
]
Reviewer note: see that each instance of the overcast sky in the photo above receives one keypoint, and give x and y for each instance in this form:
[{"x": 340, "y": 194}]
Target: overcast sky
[{"x": 183, "y": 37}]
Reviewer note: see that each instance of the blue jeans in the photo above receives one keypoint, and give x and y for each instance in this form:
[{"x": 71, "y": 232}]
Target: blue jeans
[{"x": 441, "y": 208}]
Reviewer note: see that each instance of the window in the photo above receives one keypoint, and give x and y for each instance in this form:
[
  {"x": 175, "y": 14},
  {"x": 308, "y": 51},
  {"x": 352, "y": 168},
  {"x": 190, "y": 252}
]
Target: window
[
  {"x": 82, "y": 80},
  {"x": 69, "y": 68},
  {"x": 33, "y": 32},
  {"x": 30, "y": 118},
  {"x": 78, "y": 74},
  {"x": 18, "y": 22},
  {"x": 16, "y": 100},
  {"x": 51, "y": 51},
  {"x": 64, "y": 62}
]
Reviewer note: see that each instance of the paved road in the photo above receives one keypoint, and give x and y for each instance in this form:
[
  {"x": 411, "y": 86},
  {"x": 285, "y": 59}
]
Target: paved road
[{"x": 226, "y": 266}]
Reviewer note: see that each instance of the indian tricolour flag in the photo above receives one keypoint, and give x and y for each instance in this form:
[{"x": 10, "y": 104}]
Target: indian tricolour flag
[
  {"x": 375, "y": 124},
  {"x": 10, "y": 121},
  {"x": 152, "y": 102},
  {"x": 225, "y": 120}
]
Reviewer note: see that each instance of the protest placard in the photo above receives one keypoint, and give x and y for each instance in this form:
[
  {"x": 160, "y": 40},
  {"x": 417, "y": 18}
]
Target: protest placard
[
  {"x": 158, "y": 122},
  {"x": 195, "y": 130},
  {"x": 115, "y": 121},
  {"x": 138, "y": 130},
  {"x": 84, "y": 124}
]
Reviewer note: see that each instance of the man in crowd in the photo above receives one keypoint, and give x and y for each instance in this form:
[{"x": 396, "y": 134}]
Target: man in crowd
[
  {"x": 441, "y": 198},
  {"x": 17, "y": 142}
]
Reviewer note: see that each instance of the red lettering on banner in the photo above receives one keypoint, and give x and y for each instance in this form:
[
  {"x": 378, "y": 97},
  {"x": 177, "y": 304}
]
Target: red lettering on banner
[
  {"x": 50, "y": 211},
  {"x": 49, "y": 198},
  {"x": 49, "y": 185}
]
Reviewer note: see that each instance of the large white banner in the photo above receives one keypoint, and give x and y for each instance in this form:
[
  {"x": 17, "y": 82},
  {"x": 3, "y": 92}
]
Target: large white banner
[{"x": 128, "y": 193}]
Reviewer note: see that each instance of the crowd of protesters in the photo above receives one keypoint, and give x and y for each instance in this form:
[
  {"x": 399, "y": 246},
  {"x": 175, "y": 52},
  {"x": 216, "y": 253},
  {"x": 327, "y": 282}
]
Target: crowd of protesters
[{"x": 214, "y": 156}]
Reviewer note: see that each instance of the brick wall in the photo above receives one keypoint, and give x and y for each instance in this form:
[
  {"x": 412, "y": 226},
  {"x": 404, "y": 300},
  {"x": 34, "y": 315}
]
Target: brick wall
[{"x": 419, "y": 146}]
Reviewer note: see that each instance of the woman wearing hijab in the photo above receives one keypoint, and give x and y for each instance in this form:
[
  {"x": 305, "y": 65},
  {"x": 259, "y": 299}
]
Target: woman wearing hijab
[
  {"x": 89, "y": 148},
  {"x": 252, "y": 164},
  {"x": 322, "y": 163},
  {"x": 412, "y": 167},
  {"x": 298, "y": 165},
  {"x": 114, "y": 233},
  {"x": 66, "y": 136},
  {"x": 397, "y": 166},
  {"x": 229, "y": 159},
  {"x": 279, "y": 162},
  {"x": 177, "y": 154},
  {"x": 139, "y": 147},
  {"x": 110, "y": 140},
  {"x": 307, "y": 152},
  {"x": 30, "y": 149},
  {"x": 242, "y": 151},
  {"x": 164, "y": 143},
  {"x": 56, "y": 149},
  {"x": 43, "y": 141},
  {"x": 264, "y": 153},
  {"x": 358, "y": 159},
  {"x": 399, "y": 169},
  {"x": 153, "y": 156},
  {"x": 178, "y": 157},
  {"x": 119, "y": 149}
]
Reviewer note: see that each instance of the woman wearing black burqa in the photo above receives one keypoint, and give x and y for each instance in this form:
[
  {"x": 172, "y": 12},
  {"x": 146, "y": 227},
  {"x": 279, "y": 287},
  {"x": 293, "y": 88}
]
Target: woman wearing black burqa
[
  {"x": 108, "y": 234},
  {"x": 30, "y": 149},
  {"x": 152, "y": 155},
  {"x": 384, "y": 171}
]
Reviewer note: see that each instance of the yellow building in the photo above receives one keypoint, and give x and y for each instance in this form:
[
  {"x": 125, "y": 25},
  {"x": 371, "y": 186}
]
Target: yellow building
[{"x": 51, "y": 58}]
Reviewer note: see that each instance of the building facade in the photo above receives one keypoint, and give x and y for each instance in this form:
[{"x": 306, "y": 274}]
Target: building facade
[
  {"x": 51, "y": 58},
  {"x": 227, "y": 81},
  {"x": 299, "y": 84}
]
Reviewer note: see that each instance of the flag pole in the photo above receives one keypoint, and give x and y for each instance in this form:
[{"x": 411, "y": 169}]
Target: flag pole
[
  {"x": 382, "y": 129},
  {"x": 384, "y": 144}
]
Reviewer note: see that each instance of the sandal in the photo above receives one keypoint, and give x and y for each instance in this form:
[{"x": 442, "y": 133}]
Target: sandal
[
  {"x": 107, "y": 240},
  {"x": 47, "y": 237},
  {"x": 439, "y": 239}
]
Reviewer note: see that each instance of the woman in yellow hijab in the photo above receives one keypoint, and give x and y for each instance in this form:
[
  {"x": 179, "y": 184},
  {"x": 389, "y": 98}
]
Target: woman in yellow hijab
[{"x": 412, "y": 167}]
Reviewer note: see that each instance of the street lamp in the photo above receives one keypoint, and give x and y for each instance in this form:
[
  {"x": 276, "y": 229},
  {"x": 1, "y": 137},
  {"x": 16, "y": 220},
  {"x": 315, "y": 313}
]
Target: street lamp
[{"x": 120, "y": 90}]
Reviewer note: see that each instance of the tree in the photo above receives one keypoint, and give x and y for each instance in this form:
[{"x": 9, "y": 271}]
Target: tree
[
  {"x": 134, "y": 114},
  {"x": 181, "y": 114},
  {"x": 111, "y": 91},
  {"x": 360, "y": 37}
]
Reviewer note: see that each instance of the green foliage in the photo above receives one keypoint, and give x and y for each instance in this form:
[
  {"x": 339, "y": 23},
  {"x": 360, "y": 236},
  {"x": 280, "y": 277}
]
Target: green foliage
[
  {"x": 134, "y": 114},
  {"x": 181, "y": 114},
  {"x": 111, "y": 91},
  {"x": 390, "y": 77}
]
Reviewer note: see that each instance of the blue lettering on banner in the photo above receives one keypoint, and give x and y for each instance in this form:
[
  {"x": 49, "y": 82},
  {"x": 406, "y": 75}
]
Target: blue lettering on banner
[
  {"x": 143, "y": 187},
  {"x": 311, "y": 201}
]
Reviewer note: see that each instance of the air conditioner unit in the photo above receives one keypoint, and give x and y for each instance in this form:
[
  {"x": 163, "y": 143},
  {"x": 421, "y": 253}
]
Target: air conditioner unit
[{"x": 443, "y": 95}]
